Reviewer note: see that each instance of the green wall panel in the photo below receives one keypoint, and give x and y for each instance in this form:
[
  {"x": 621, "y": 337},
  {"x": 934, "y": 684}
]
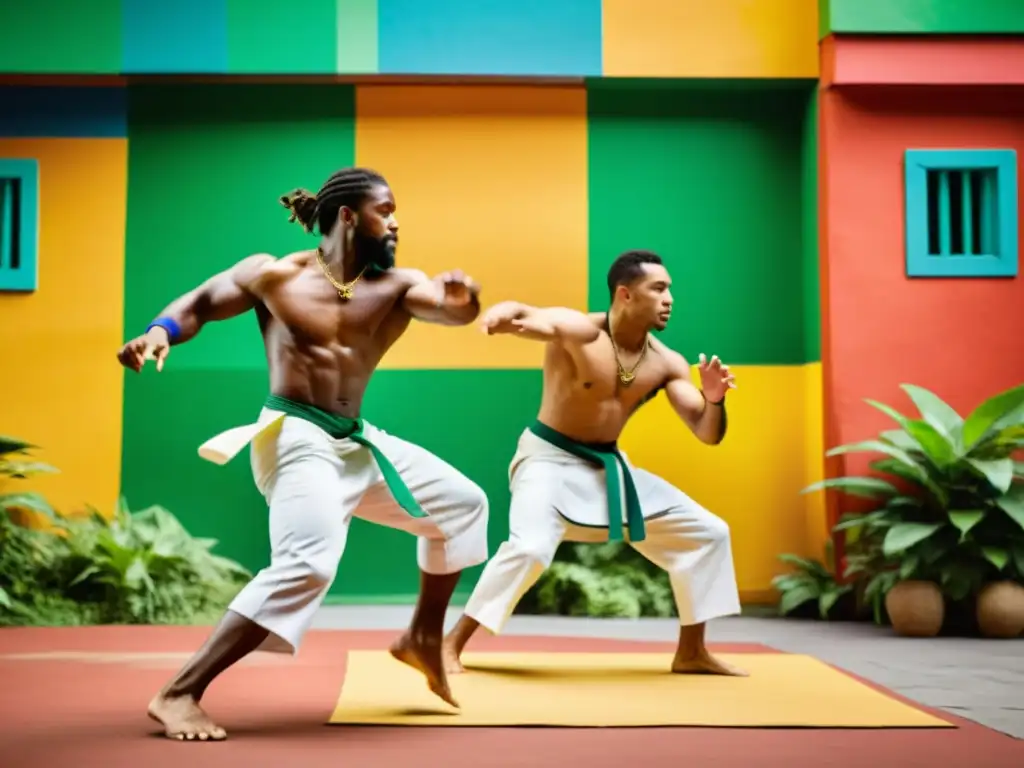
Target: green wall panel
[
  {"x": 281, "y": 38},
  {"x": 60, "y": 36},
  {"x": 207, "y": 165},
  {"x": 451, "y": 413},
  {"x": 922, "y": 16},
  {"x": 711, "y": 179}
]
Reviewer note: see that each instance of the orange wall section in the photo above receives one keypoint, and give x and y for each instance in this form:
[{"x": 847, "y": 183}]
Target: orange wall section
[
  {"x": 719, "y": 39},
  {"x": 61, "y": 387},
  {"x": 490, "y": 180},
  {"x": 960, "y": 338}
]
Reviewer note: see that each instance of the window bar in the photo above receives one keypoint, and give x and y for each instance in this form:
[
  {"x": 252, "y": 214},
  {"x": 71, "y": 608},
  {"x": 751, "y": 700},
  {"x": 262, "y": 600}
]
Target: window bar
[
  {"x": 944, "y": 222},
  {"x": 7, "y": 223},
  {"x": 989, "y": 246},
  {"x": 967, "y": 212}
]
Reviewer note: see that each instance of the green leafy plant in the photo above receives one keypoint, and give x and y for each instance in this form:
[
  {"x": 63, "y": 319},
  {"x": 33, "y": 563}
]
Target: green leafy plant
[
  {"x": 141, "y": 568},
  {"x": 16, "y": 463},
  {"x": 950, "y": 501},
  {"x": 146, "y": 568},
  {"x": 138, "y": 568},
  {"x": 30, "y": 588},
  {"x": 602, "y": 580},
  {"x": 812, "y": 583}
]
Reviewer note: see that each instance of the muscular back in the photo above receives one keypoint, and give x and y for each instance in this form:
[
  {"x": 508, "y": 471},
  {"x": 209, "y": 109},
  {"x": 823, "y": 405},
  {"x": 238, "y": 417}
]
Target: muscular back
[
  {"x": 320, "y": 349},
  {"x": 583, "y": 397}
]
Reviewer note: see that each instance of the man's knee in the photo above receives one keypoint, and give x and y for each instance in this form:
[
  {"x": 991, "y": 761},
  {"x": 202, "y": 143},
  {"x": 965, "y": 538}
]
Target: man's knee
[
  {"x": 463, "y": 522},
  {"x": 470, "y": 499},
  {"x": 311, "y": 574},
  {"x": 716, "y": 529}
]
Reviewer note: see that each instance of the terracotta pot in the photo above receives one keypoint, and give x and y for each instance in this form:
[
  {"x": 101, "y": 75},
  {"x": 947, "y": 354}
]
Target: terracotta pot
[
  {"x": 1000, "y": 609},
  {"x": 915, "y": 608}
]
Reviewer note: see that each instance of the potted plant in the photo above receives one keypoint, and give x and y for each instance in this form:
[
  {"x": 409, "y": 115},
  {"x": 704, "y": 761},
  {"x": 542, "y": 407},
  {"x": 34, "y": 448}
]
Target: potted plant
[{"x": 950, "y": 516}]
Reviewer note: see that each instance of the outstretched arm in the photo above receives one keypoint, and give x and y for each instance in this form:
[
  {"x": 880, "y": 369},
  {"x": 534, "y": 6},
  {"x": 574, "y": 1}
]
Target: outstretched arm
[
  {"x": 225, "y": 295},
  {"x": 540, "y": 323},
  {"x": 451, "y": 298},
  {"x": 705, "y": 417}
]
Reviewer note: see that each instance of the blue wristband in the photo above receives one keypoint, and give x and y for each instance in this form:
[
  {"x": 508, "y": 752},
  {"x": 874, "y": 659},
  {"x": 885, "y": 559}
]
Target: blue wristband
[{"x": 172, "y": 328}]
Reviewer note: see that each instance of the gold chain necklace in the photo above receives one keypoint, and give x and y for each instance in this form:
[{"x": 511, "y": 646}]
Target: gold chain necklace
[
  {"x": 626, "y": 377},
  {"x": 344, "y": 289}
]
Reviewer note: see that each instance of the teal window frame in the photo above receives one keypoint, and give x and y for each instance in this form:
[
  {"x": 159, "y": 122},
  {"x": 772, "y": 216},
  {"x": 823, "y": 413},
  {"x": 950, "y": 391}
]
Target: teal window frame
[
  {"x": 961, "y": 212},
  {"x": 19, "y": 226}
]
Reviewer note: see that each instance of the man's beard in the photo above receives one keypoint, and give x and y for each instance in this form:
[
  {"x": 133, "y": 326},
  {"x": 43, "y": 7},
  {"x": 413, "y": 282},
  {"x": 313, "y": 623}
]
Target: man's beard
[{"x": 377, "y": 254}]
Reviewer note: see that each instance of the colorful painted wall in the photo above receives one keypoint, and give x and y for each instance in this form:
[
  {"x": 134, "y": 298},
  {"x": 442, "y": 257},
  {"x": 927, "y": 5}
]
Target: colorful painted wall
[
  {"x": 537, "y": 38},
  {"x": 958, "y": 336},
  {"x": 678, "y": 125},
  {"x": 527, "y": 189},
  {"x": 58, "y": 388}
]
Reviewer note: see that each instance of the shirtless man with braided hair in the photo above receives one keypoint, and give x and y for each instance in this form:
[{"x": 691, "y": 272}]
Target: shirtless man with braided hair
[{"x": 327, "y": 317}]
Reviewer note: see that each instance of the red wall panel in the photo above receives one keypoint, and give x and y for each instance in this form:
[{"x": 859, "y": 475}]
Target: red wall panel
[{"x": 961, "y": 338}]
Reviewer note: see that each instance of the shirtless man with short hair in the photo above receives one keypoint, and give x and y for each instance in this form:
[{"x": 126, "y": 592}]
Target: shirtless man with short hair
[
  {"x": 327, "y": 317},
  {"x": 569, "y": 481}
]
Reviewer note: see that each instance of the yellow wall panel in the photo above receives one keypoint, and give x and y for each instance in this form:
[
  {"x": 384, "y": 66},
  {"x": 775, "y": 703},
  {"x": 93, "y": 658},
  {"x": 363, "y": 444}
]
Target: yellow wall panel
[
  {"x": 710, "y": 38},
  {"x": 61, "y": 387},
  {"x": 753, "y": 479},
  {"x": 490, "y": 180}
]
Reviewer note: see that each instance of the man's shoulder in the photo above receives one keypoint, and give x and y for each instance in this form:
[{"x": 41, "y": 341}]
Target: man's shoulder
[
  {"x": 675, "y": 359},
  {"x": 263, "y": 270},
  {"x": 599, "y": 319},
  {"x": 283, "y": 266}
]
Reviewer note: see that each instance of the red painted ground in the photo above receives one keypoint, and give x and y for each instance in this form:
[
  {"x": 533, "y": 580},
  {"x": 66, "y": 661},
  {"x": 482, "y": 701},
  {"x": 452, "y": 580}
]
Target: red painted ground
[
  {"x": 91, "y": 713},
  {"x": 958, "y": 337}
]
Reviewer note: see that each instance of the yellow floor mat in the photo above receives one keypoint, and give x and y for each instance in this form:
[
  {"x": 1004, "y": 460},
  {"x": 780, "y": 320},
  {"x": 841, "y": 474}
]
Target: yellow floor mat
[{"x": 619, "y": 689}]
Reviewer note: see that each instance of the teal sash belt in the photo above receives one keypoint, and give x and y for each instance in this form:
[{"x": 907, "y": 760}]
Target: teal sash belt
[
  {"x": 604, "y": 455},
  {"x": 340, "y": 427}
]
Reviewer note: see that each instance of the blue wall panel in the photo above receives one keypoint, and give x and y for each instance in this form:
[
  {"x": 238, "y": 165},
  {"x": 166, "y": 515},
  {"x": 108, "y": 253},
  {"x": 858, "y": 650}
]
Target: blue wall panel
[
  {"x": 490, "y": 37},
  {"x": 177, "y": 37}
]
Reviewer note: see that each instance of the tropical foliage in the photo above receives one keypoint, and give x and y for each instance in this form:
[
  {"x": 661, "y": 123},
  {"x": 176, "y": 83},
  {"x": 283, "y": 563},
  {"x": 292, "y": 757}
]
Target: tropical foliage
[
  {"x": 948, "y": 500},
  {"x": 601, "y": 580},
  {"x": 812, "y": 584},
  {"x": 137, "y": 568}
]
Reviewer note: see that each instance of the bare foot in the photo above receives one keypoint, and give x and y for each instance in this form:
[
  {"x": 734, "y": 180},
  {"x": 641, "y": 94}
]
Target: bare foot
[
  {"x": 424, "y": 655},
  {"x": 183, "y": 719},
  {"x": 450, "y": 657},
  {"x": 706, "y": 664}
]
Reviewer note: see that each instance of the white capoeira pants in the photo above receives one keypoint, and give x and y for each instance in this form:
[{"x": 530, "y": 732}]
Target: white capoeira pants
[
  {"x": 314, "y": 484},
  {"x": 557, "y": 496}
]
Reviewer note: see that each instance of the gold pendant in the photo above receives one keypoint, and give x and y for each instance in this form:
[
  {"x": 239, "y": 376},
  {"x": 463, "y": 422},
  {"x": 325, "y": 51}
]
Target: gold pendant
[
  {"x": 626, "y": 377},
  {"x": 345, "y": 292}
]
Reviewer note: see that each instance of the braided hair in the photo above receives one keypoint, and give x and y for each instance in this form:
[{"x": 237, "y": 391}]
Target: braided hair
[{"x": 346, "y": 188}]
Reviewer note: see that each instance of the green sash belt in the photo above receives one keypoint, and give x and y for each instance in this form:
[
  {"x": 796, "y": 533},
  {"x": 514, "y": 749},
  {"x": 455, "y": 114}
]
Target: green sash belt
[
  {"x": 340, "y": 427},
  {"x": 604, "y": 455}
]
